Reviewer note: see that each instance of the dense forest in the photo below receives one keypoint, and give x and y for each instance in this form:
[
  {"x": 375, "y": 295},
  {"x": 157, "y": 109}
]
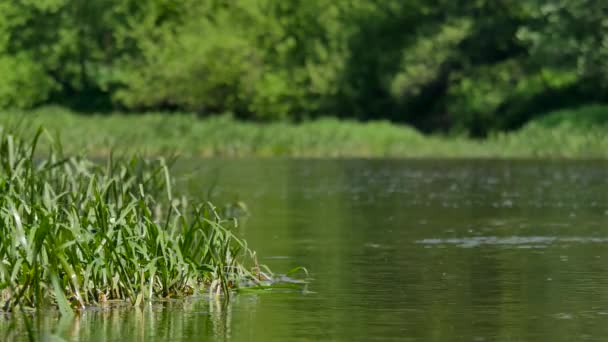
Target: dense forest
[{"x": 440, "y": 65}]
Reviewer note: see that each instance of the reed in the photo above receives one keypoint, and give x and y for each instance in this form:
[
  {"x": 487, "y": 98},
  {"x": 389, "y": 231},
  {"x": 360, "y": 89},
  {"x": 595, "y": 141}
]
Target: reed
[
  {"x": 75, "y": 233},
  {"x": 578, "y": 133}
]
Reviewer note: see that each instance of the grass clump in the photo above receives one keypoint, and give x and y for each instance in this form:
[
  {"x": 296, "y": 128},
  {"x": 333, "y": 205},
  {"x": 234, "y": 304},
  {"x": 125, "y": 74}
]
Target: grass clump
[
  {"x": 582, "y": 118},
  {"x": 75, "y": 233}
]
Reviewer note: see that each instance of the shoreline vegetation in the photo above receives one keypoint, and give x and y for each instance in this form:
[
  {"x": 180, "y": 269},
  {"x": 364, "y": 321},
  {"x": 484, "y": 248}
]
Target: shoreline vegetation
[
  {"x": 77, "y": 233},
  {"x": 476, "y": 66},
  {"x": 573, "y": 134}
]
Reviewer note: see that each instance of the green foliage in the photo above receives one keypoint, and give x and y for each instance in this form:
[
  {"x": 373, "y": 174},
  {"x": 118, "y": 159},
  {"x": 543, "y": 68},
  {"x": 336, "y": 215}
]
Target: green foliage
[
  {"x": 76, "y": 233},
  {"x": 576, "y": 133},
  {"x": 24, "y": 83},
  {"x": 570, "y": 34},
  {"x": 582, "y": 118},
  {"x": 421, "y": 63},
  {"x": 474, "y": 67}
]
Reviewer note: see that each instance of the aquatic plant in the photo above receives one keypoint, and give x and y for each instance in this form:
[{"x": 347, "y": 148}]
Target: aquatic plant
[{"x": 75, "y": 233}]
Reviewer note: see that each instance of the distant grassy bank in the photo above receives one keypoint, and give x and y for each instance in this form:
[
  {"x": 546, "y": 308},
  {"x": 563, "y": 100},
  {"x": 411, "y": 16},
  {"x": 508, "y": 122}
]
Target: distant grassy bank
[{"x": 579, "y": 133}]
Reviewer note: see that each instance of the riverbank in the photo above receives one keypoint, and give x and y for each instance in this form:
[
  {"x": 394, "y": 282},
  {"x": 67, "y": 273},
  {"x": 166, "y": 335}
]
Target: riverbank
[{"x": 554, "y": 136}]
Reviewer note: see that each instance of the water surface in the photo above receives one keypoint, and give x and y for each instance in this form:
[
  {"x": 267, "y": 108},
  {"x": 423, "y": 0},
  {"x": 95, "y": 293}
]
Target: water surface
[{"x": 399, "y": 250}]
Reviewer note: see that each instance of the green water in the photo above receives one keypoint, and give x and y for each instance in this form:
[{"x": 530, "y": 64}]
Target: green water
[{"x": 399, "y": 250}]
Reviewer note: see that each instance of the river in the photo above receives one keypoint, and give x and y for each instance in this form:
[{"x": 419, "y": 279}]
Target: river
[{"x": 431, "y": 250}]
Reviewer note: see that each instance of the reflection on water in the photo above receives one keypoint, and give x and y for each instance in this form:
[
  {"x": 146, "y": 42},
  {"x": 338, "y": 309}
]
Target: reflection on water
[
  {"x": 517, "y": 241},
  {"x": 162, "y": 321},
  {"x": 399, "y": 250}
]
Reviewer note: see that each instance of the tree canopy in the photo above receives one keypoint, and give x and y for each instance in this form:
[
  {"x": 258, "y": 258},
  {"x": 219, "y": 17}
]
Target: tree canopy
[{"x": 470, "y": 66}]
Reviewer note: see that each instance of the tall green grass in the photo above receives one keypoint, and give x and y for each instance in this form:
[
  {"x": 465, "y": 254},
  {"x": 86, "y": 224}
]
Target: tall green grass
[
  {"x": 75, "y": 233},
  {"x": 576, "y": 133}
]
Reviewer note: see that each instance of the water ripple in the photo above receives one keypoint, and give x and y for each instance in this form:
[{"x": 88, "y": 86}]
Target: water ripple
[{"x": 520, "y": 241}]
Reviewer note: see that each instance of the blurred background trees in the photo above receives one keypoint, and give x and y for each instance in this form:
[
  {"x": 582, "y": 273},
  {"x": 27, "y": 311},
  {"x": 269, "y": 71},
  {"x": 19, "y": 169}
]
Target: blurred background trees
[{"x": 440, "y": 65}]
